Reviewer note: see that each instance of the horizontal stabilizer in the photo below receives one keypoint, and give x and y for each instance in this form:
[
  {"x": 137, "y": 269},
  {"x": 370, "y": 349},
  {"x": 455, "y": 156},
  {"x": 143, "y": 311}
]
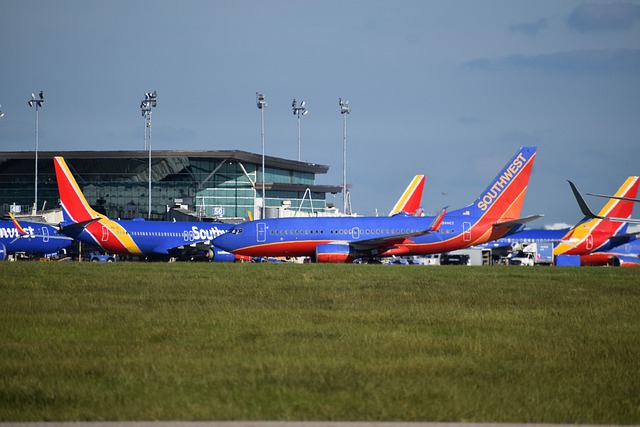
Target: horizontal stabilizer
[
  {"x": 79, "y": 225},
  {"x": 515, "y": 222}
]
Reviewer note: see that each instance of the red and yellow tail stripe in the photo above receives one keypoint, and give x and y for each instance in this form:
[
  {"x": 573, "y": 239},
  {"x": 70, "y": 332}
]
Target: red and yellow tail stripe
[
  {"x": 71, "y": 197},
  {"x": 410, "y": 200},
  {"x": 109, "y": 234}
]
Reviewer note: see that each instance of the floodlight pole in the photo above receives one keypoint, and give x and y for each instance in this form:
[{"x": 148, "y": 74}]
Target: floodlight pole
[
  {"x": 262, "y": 104},
  {"x": 33, "y": 102},
  {"x": 146, "y": 104},
  {"x": 299, "y": 111},
  {"x": 344, "y": 110}
]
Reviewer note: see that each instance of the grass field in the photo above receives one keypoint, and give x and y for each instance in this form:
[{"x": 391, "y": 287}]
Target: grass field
[{"x": 197, "y": 341}]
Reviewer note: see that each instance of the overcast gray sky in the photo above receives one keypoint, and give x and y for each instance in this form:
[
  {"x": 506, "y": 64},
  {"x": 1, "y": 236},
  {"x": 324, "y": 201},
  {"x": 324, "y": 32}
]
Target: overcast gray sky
[{"x": 447, "y": 88}]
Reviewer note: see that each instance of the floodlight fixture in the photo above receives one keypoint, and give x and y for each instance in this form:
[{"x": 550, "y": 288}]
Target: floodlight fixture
[
  {"x": 299, "y": 111},
  {"x": 261, "y": 101},
  {"x": 344, "y": 106}
]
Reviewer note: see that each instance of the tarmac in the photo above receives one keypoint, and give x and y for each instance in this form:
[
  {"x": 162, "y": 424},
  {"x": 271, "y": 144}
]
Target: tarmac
[{"x": 280, "y": 423}]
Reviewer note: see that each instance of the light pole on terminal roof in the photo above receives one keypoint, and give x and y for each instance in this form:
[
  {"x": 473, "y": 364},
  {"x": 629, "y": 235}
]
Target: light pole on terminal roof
[
  {"x": 299, "y": 111},
  {"x": 344, "y": 110},
  {"x": 38, "y": 103},
  {"x": 262, "y": 104},
  {"x": 146, "y": 104}
]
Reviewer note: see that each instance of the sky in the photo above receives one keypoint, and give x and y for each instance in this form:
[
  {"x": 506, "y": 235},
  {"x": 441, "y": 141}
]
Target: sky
[{"x": 450, "y": 89}]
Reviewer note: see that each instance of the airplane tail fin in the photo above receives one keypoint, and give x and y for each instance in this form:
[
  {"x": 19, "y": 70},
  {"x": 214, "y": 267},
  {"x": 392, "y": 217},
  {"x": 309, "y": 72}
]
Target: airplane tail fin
[
  {"x": 410, "y": 200},
  {"x": 75, "y": 207},
  {"x": 502, "y": 200}
]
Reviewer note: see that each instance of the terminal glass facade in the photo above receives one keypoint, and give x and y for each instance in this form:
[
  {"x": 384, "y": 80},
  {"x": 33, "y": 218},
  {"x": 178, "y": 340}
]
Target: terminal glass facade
[{"x": 119, "y": 187}]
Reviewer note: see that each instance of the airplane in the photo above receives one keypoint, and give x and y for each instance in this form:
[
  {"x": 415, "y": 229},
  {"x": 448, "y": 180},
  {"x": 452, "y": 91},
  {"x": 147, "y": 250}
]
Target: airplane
[
  {"x": 625, "y": 255},
  {"x": 342, "y": 239},
  {"x": 137, "y": 237},
  {"x": 605, "y": 230},
  {"x": 30, "y": 238},
  {"x": 587, "y": 236}
]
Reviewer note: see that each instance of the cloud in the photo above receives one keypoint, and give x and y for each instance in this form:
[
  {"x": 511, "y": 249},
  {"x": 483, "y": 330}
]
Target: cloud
[
  {"x": 603, "y": 17},
  {"x": 557, "y": 226},
  {"x": 576, "y": 61},
  {"x": 530, "y": 28}
]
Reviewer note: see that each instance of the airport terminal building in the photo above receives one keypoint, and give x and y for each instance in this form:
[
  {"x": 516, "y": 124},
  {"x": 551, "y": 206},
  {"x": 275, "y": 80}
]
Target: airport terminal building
[{"x": 209, "y": 185}]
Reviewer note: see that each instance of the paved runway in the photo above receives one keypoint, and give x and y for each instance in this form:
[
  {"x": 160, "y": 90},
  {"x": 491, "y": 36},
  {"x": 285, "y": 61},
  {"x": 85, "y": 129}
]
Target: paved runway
[{"x": 280, "y": 423}]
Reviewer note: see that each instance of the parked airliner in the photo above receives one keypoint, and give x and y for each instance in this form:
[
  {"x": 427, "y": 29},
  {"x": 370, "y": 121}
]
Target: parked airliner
[
  {"x": 626, "y": 255},
  {"x": 495, "y": 213},
  {"x": 30, "y": 238},
  {"x": 605, "y": 230},
  {"x": 154, "y": 239},
  {"x": 594, "y": 233}
]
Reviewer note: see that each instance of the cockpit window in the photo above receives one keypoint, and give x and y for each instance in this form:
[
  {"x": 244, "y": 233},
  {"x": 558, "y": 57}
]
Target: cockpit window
[{"x": 237, "y": 231}]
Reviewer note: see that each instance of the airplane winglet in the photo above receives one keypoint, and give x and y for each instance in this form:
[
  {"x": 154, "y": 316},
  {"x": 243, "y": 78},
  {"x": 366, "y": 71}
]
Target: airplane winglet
[
  {"x": 586, "y": 211},
  {"x": 437, "y": 221},
  {"x": 17, "y": 225}
]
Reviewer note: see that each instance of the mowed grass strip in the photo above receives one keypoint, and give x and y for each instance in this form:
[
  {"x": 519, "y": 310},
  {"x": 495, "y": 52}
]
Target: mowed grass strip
[{"x": 195, "y": 341}]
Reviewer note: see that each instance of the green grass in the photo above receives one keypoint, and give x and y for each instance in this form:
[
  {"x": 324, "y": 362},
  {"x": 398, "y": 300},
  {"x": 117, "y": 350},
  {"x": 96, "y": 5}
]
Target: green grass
[{"x": 195, "y": 341}]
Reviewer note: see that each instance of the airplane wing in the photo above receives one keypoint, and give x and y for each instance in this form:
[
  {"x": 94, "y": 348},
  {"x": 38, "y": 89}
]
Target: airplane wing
[
  {"x": 629, "y": 199},
  {"x": 621, "y": 239},
  {"x": 204, "y": 250},
  {"x": 389, "y": 241},
  {"x": 190, "y": 249},
  {"x": 586, "y": 211}
]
